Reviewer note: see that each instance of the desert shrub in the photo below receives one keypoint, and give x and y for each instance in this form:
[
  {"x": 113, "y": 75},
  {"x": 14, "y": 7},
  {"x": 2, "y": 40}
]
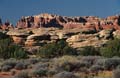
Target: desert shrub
[
  {"x": 8, "y": 64},
  {"x": 20, "y": 66},
  {"x": 50, "y": 73},
  {"x": 41, "y": 65},
  {"x": 67, "y": 66},
  {"x": 63, "y": 59},
  {"x": 32, "y": 60},
  {"x": 56, "y": 49},
  {"x": 116, "y": 73},
  {"x": 112, "y": 63},
  {"x": 22, "y": 74},
  {"x": 9, "y": 50},
  {"x": 89, "y": 50},
  {"x": 112, "y": 48},
  {"x": 109, "y": 63},
  {"x": 6, "y": 68},
  {"x": 65, "y": 74},
  {"x": 100, "y": 62},
  {"x": 96, "y": 68},
  {"x": 12, "y": 62},
  {"x": 89, "y": 60},
  {"x": 65, "y": 63},
  {"x": 39, "y": 72}
]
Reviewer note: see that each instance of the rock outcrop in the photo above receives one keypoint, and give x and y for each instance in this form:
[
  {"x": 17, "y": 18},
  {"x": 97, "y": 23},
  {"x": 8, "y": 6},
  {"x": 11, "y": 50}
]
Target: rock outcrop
[{"x": 75, "y": 37}]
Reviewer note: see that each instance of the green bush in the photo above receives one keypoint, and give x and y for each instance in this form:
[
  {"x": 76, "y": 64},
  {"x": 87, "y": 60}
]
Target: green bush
[
  {"x": 89, "y": 50},
  {"x": 56, "y": 49},
  {"x": 9, "y": 50},
  {"x": 111, "y": 49}
]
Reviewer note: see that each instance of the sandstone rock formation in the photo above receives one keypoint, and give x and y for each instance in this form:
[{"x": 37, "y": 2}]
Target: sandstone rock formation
[
  {"x": 18, "y": 36},
  {"x": 6, "y": 26},
  {"x": 47, "y": 20},
  {"x": 75, "y": 37},
  {"x": 76, "y": 31},
  {"x": 86, "y": 22}
]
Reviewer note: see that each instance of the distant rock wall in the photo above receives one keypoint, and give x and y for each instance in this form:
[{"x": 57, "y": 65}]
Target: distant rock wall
[{"x": 89, "y": 22}]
